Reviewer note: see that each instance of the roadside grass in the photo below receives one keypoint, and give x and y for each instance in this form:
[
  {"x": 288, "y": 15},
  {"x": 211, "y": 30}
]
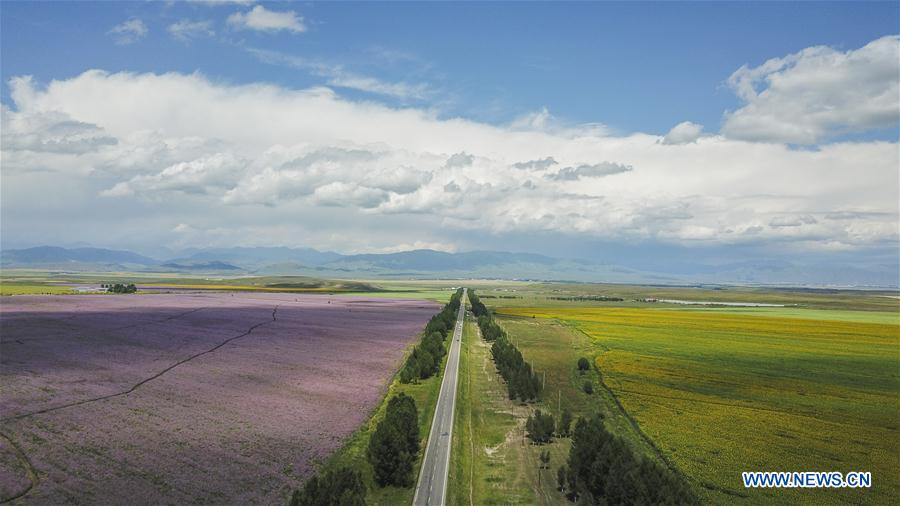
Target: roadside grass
[
  {"x": 487, "y": 460},
  {"x": 721, "y": 392}
]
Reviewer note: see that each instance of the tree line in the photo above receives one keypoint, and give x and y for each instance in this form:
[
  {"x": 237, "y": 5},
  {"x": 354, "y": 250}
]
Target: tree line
[
  {"x": 603, "y": 469},
  {"x": 521, "y": 381},
  {"x": 425, "y": 359}
]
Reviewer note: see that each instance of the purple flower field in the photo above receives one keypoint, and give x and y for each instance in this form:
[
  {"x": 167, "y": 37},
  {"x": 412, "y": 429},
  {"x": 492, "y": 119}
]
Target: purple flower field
[{"x": 187, "y": 398}]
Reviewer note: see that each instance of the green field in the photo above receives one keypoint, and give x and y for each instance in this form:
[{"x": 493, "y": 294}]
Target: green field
[{"x": 725, "y": 391}]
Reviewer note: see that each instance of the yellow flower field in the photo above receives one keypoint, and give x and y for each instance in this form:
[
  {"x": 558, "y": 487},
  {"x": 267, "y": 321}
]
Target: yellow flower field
[{"x": 726, "y": 392}]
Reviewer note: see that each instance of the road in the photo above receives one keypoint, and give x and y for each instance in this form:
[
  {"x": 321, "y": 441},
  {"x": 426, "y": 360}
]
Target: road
[{"x": 431, "y": 489}]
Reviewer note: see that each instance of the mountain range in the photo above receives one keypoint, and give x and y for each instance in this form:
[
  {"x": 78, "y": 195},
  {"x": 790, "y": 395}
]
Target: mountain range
[{"x": 424, "y": 263}]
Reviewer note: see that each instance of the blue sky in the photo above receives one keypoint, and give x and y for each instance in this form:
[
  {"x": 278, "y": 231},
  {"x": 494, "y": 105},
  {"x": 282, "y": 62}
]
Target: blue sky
[
  {"x": 654, "y": 135},
  {"x": 631, "y": 66}
]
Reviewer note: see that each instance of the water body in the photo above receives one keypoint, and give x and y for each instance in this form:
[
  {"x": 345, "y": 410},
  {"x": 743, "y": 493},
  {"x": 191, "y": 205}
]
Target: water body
[{"x": 711, "y": 303}]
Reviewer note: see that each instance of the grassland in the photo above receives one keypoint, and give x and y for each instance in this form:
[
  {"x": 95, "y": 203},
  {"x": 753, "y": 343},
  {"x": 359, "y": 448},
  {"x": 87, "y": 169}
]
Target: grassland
[{"x": 725, "y": 391}]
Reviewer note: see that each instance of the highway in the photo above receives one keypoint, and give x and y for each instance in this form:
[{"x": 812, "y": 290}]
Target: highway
[{"x": 431, "y": 489}]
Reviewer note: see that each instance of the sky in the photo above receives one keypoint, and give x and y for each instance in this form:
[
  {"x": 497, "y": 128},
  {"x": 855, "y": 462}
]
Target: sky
[{"x": 632, "y": 133}]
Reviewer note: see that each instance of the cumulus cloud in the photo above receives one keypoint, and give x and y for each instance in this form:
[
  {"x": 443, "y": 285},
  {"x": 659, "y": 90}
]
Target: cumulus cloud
[
  {"x": 585, "y": 170},
  {"x": 186, "y": 30},
  {"x": 315, "y": 165},
  {"x": 460, "y": 160},
  {"x": 817, "y": 93},
  {"x": 263, "y": 20},
  {"x": 542, "y": 164},
  {"x": 129, "y": 31},
  {"x": 196, "y": 176},
  {"x": 792, "y": 221},
  {"x": 683, "y": 133},
  {"x": 50, "y": 132}
]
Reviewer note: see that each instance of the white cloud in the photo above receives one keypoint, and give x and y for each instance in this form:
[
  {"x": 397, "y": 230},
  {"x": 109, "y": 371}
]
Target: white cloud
[
  {"x": 261, "y": 19},
  {"x": 338, "y": 76},
  {"x": 601, "y": 169},
  {"x": 817, "y": 93},
  {"x": 321, "y": 168},
  {"x": 198, "y": 176},
  {"x": 129, "y": 31},
  {"x": 683, "y": 133},
  {"x": 186, "y": 30},
  {"x": 792, "y": 221}
]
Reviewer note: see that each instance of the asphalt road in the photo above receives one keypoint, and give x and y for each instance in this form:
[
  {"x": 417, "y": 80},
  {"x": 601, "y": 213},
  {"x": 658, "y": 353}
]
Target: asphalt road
[{"x": 432, "y": 486}]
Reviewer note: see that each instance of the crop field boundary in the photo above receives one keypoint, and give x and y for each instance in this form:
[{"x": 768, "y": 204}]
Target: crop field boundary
[
  {"x": 145, "y": 380},
  {"x": 22, "y": 457}
]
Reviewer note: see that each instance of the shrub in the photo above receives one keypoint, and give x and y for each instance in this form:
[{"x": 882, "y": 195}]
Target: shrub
[
  {"x": 583, "y": 364},
  {"x": 588, "y": 387}
]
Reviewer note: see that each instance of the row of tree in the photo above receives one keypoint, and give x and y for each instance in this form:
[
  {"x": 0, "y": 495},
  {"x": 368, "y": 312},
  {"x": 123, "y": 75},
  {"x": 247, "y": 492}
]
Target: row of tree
[
  {"x": 425, "y": 359},
  {"x": 603, "y": 469},
  {"x": 521, "y": 381}
]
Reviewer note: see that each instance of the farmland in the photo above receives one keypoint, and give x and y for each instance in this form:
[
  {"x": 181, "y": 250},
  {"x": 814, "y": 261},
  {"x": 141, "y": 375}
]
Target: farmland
[
  {"x": 720, "y": 391},
  {"x": 176, "y": 398}
]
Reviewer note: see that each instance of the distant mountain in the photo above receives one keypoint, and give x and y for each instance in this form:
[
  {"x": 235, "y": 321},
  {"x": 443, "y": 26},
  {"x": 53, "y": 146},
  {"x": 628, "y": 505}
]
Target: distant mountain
[
  {"x": 436, "y": 264},
  {"x": 211, "y": 266},
  {"x": 75, "y": 258},
  {"x": 425, "y": 260},
  {"x": 254, "y": 258}
]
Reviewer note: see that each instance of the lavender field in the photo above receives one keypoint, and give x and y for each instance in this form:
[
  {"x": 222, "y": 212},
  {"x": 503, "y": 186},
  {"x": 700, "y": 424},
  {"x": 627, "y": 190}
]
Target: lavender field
[{"x": 187, "y": 398}]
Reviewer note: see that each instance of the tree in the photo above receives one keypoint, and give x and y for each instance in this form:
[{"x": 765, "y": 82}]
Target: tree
[
  {"x": 565, "y": 423},
  {"x": 545, "y": 459},
  {"x": 561, "y": 478},
  {"x": 588, "y": 387},
  {"x": 603, "y": 469},
  {"x": 402, "y": 413},
  {"x": 340, "y": 487},
  {"x": 539, "y": 427},
  {"x": 583, "y": 364},
  {"x": 391, "y": 463},
  {"x": 395, "y": 443}
]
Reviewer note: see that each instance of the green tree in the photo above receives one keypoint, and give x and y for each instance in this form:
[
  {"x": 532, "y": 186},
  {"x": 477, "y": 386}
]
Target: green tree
[
  {"x": 340, "y": 487},
  {"x": 583, "y": 364},
  {"x": 565, "y": 423},
  {"x": 561, "y": 479}
]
